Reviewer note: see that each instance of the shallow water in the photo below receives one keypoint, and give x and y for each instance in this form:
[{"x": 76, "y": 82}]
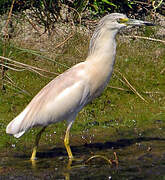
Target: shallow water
[{"x": 139, "y": 158}]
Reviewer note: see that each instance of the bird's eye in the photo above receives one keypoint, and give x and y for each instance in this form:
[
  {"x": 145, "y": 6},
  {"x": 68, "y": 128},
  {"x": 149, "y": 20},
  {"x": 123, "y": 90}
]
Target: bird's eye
[{"x": 122, "y": 20}]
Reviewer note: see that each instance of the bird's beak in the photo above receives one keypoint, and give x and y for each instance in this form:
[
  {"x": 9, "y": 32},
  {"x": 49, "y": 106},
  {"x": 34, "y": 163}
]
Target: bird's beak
[{"x": 135, "y": 22}]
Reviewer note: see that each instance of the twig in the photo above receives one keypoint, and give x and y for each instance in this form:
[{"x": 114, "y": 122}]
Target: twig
[
  {"x": 33, "y": 25},
  {"x": 33, "y": 70},
  {"x": 13, "y": 65},
  {"x": 11, "y": 68},
  {"x": 162, "y": 71},
  {"x": 147, "y": 38},
  {"x": 77, "y": 14},
  {"x": 159, "y": 4},
  {"x": 147, "y": 92},
  {"x": 100, "y": 156},
  {"x": 122, "y": 89},
  {"x": 39, "y": 55},
  {"x": 118, "y": 88},
  {"x": 60, "y": 44},
  {"x": 6, "y": 37},
  {"x": 22, "y": 90},
  {"x": 119, "y": 78},
  {"x": 9, "y": 17},
  {"x": 9, "y": 79},
  {"x": 140, "y": 2},
  {"x": 131, "y": 87},
  {"x": 29, "y": 66}
]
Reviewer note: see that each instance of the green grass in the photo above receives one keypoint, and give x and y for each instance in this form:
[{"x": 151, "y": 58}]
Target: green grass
[{"x": 114, "y": 115}]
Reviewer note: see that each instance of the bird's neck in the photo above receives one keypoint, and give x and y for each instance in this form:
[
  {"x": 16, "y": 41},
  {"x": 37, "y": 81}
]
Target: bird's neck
[
  {"x": 100, "y": 60},
  {"x": 102, "y": 47}
]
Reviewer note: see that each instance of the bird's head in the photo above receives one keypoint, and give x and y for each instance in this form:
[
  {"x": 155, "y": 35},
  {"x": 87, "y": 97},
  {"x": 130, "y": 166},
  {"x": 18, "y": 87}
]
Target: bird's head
[
  {"x": 116, "y": 21},
  {"x": 108, "y": 27}
]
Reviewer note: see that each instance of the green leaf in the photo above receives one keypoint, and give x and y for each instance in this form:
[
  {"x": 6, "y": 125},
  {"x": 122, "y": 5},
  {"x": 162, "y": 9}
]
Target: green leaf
[{"x": 110, "y": 3}]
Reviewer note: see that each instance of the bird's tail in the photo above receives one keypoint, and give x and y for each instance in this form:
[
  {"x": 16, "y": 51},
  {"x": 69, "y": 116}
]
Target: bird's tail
[{"x": 14, "y": 127}]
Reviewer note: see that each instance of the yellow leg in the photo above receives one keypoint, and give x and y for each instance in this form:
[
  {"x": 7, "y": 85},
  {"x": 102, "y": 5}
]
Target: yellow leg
[
  {"x": 38, "y": 136},
  {"x": 66, "y": 142}
]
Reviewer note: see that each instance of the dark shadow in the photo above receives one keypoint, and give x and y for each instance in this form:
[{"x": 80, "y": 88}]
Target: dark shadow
[{"x": 87, "y": 148}]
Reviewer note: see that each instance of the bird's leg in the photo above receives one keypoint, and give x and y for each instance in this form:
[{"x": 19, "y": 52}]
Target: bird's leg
[
  {"x": 66, "y": 141},
  {"x": 37, "y": 139}
]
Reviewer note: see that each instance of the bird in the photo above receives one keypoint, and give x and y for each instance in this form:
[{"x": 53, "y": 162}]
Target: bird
[{"x": 66, "y": 95}]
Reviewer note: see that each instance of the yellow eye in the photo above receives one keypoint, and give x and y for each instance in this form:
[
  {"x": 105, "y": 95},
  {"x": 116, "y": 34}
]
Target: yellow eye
[{"x": 122, "y": 20}]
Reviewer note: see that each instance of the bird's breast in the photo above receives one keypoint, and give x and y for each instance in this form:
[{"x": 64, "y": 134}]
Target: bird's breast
[{"x": 99, "y": 78}]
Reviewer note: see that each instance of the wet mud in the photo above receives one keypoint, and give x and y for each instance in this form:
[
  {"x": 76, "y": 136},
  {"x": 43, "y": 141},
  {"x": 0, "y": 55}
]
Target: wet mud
[{"x": 139, "y": 158}]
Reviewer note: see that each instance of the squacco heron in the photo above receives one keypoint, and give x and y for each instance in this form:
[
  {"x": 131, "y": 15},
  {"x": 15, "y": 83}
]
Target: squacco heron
[{"x": 67, "y": 94}]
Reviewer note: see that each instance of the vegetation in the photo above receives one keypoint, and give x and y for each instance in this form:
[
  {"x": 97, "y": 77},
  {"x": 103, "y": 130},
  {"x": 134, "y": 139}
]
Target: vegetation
[
  {"x": 97, "y": 7},
  {"x": 119, "y": 110}
]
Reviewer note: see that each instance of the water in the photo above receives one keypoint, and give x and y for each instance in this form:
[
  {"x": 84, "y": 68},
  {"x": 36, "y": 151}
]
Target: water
[{"x": 139, "y": 158}]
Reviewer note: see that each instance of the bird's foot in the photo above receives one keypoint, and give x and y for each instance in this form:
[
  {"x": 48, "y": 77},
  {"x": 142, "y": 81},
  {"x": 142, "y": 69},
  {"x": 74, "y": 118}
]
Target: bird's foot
[{"x": 33, "y": 156}]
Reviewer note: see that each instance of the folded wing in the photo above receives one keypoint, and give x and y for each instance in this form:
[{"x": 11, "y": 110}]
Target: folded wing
[{"x": 58, "y": 100}]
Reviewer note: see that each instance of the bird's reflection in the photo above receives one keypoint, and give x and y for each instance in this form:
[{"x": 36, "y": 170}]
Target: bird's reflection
[{"x": 77, "y": 163}]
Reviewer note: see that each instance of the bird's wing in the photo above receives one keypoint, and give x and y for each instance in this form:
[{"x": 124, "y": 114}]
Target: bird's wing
[{"x": 58, "y": 100}]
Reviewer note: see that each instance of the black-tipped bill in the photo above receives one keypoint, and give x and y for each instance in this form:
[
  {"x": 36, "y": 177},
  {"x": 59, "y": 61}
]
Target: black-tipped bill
[{"x": 134, "y": 22}]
